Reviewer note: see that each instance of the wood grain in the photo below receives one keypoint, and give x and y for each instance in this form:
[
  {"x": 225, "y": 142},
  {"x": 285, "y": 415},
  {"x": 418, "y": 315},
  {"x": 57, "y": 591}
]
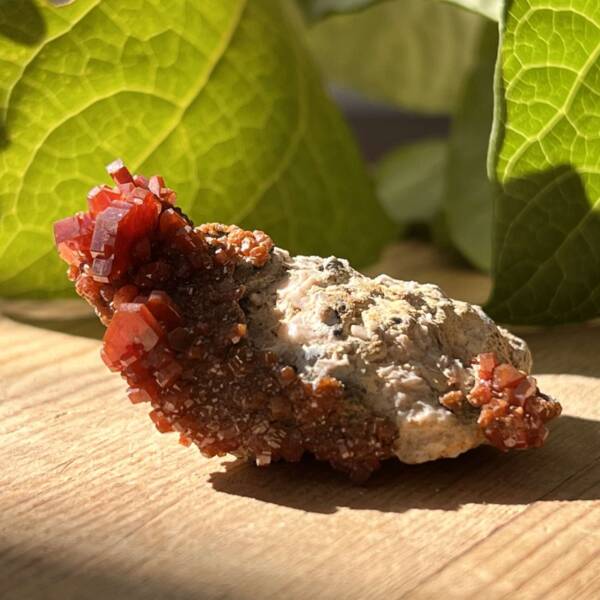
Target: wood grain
[{"x": 95, "y": 504}]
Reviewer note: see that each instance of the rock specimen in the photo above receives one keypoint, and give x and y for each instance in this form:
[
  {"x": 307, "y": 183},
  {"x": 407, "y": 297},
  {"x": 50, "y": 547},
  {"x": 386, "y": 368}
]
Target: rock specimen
[{"x": 244, "y": 349}]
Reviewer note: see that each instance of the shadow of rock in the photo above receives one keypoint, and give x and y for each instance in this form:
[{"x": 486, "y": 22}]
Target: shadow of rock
[
  {"x": 21, "y": 21},
  {"x": 567, "y": 469}
]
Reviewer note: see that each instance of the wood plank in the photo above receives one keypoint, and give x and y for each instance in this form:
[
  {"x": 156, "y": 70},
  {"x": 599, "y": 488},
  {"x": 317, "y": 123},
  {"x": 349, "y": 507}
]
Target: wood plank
[{"x": 95, "y": 503}]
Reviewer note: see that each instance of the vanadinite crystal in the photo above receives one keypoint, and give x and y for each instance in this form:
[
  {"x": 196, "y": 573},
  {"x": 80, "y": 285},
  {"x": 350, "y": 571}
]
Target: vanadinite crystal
[
  {"x": 181, "y": 329},
  {"x": 513, "y": 410}
]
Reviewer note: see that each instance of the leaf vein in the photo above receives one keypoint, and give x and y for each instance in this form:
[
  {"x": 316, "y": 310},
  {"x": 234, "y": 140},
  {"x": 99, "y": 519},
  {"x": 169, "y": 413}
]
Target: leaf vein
[
  {"x": 559, "y": 114},
  {"x": 220, "y": 51}
]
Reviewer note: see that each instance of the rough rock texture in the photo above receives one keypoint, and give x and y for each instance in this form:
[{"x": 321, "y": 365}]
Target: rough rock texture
[
  {"x": 245, "y": 350},
  {"x": 397, "y": 345}
]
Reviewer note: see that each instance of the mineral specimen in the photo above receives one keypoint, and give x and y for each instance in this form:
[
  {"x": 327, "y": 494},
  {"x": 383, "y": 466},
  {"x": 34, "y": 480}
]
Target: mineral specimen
[{"x": 244, "y": 349}]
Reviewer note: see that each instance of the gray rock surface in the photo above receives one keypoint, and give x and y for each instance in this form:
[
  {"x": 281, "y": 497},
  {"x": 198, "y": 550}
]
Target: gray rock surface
[{"x": 396, "y": 345}]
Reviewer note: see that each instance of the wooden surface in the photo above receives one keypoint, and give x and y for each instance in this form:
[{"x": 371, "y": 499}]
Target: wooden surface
[{"x": 95, "y": 504}]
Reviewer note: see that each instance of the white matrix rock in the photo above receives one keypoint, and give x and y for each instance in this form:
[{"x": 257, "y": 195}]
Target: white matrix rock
[{"x": 396, "y": 345}]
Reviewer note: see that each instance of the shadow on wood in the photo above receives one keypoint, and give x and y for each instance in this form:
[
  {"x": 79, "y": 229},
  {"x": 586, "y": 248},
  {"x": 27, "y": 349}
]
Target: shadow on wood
[
  {"x": 566, "y": 469},
  {"x": 74, "y": 578},
  {"x": 82, "y": 327}
]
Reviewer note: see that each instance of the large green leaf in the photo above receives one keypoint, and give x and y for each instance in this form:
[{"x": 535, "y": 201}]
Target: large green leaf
[
  {"x": 218, "y": 96},
  {"x": 317, "y": 9},
  {"x": 410, "y": 181},
  {"x": 547, "y": 159},
  {"x": 469, "y": 194},
  {"x": 412, "y": 53}
]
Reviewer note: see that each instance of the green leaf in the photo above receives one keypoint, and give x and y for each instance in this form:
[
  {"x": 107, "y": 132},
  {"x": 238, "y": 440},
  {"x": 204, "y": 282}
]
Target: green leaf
[
  {"x": 217, "y": 96},
  {"x": 469, "y": 194},
  {"x": 414, "y": 53},
  {"x": 317, "y": 9},
  {"x": 409, "y": 181},
  {"x": 546, "y": 156}
]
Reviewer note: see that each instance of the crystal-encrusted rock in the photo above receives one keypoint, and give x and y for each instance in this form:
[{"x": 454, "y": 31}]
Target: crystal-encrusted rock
[{"x": 244, "y": 349}]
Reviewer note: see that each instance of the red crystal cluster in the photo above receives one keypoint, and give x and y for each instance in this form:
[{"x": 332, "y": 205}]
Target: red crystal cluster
[
  {"x": 177, "y": 334},
  {"x": 513, "y": 410}
]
